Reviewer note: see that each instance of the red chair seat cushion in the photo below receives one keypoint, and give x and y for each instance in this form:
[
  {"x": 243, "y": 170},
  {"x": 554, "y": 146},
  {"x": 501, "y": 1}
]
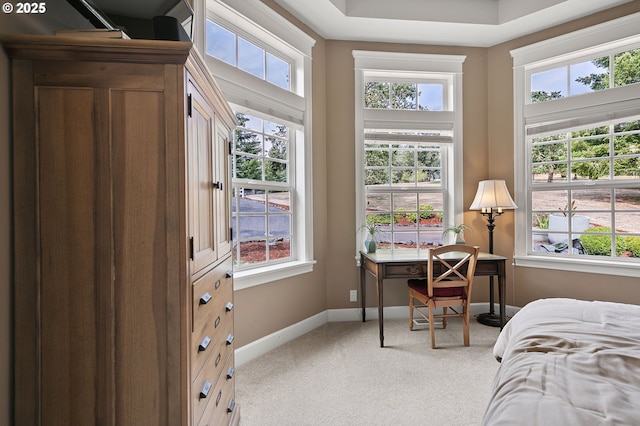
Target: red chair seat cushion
[{"x": 420, "y": 285}]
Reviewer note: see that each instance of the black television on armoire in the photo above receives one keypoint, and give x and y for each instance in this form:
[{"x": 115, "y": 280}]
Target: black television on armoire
[{"x": 161, "y": 19}]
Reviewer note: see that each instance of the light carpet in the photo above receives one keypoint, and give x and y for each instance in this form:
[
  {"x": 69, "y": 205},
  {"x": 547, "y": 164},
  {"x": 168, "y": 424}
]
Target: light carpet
[{"x": 337, "y": 374}]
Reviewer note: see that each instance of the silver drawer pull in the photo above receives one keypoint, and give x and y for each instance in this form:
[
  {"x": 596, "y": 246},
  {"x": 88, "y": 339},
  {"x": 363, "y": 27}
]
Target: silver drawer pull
[
  {"x": 413, "y": 270},
  {"x": 229, "y": 307},
  {"x": 205, "y": 390},
  {"x": 229, "y": 339},
  {"x": 205, "y": 298},
  {"x": 204, "y": 344},
  {"x": 230, "y": 373}
]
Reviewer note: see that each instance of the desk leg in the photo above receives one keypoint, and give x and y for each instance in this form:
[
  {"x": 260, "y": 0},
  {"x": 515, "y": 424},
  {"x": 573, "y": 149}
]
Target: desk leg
[
  {"x": 379, "y": 282},
  {"x": 490, "y": 318},
  {"x": 502, "y": 292}
]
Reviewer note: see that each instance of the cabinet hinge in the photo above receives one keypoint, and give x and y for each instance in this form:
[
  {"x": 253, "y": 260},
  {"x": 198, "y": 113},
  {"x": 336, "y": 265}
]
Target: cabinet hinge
[
  {"x": 189, "y": 105},
  {"x": 191, "y": 248}
]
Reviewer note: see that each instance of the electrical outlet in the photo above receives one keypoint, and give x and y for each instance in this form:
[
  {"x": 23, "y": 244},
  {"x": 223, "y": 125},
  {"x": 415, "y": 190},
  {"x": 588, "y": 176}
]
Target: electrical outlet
[{"x": 353, "y": 295}]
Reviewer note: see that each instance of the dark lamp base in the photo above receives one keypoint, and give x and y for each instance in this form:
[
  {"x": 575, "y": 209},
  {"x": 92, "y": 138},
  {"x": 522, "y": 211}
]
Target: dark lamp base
[{"x": 489, "y": 319}]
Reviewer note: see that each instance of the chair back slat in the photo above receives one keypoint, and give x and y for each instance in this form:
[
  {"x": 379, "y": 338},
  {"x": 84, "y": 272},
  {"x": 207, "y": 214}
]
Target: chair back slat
[
  {"x": 450, "y": 272},
  {"x": 456, "y": 271}
]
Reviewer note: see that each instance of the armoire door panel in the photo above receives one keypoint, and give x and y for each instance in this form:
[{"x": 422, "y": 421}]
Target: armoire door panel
[
  {"x": 200, "y": 164},
  {"x": 223, "y": 192},
  {"x": 68, "y": 257},
  {"x": 139, "y": 173}
]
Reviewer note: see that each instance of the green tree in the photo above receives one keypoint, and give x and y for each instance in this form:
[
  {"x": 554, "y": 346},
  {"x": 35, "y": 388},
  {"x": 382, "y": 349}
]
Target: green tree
[
  {"x": 249, "y": 159},
  {"x": 626, "y": 70},
  {"x": 383, "y": 95},
  {"x": 276, "y": 171},
  {"x": 544, "y": 153},
  {"x": 376, "y": 95},
  {"x": 547, "y": 153},
  {"x": 378, "y": 158},
  {"x": 541, "y": 95},
  {"x": 428, "y": 165},
  {"x": 404, "y": 96},
  {"x": 248, "y": 146}
]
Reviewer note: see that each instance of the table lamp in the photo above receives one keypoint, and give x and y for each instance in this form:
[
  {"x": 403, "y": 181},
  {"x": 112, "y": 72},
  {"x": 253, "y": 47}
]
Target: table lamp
[{"x": 492, "y": 198}]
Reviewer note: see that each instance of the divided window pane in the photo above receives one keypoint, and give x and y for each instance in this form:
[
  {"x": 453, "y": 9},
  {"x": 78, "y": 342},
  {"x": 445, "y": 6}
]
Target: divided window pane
[
  {"x": 405, "y": 96},
  {"x": 235, "y": 50}
]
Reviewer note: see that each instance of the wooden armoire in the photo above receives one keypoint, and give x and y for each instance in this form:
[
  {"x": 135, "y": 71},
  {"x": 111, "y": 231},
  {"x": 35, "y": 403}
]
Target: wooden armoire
[{"x": 123, "y": 308}]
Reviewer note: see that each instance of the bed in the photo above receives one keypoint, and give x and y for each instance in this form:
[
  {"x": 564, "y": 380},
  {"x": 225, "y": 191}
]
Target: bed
[{"x": 568, "y": 362}]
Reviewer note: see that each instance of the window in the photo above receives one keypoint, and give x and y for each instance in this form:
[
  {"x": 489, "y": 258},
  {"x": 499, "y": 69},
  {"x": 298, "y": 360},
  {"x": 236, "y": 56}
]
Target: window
[
  {"x": 262, "y": 211},
  {"x": 271, "y": 152},
  {"x": 236, "y": 51},
  {"x": 404, "y": 96},
  {"x": 578, "y": 140},
  {"x": 585, "y": 76},
  {"x": 404, "y": 193},
  {"x": 408, "y": 142}
]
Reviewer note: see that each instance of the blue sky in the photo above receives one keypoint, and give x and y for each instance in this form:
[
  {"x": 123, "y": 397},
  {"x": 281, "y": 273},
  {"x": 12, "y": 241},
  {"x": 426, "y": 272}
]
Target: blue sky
[
  {"x": 431, "y": 96},
  {"x": 558, "y": 80},
  {"x": 221, "y": 44}
]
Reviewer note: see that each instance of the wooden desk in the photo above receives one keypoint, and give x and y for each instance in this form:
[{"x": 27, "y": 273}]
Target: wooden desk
[{"x": 386, "y": 265}]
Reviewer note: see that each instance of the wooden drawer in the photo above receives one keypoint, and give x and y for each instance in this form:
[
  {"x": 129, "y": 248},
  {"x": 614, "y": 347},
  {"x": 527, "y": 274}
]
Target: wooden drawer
[
  {"x": 406, "y": 270},
  {"x": 221, "y": 406},
  {"x": 204, "y": 383},
  {"x": 213, "y": 311},
  {"x": 419, "y": 269},
  {"x": 216, "y": 284},
  {"x": 488, "y": 268},
  {"x": 209, "y": 336}
]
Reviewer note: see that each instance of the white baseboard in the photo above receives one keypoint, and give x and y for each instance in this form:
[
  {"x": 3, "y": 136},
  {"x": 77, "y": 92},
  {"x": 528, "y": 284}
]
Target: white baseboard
[
  {"x": 401, "y": 312},
  {"x": 265, "y": 344}
]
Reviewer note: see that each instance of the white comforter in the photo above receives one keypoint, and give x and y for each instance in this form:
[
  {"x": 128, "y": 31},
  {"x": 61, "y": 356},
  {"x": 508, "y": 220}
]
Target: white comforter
[{"x": 568, "y": 362}]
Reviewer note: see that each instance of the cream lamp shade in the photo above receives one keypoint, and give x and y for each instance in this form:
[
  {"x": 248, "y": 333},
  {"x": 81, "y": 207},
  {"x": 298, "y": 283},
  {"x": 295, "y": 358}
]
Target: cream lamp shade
[{"x": 493, "y": 195}]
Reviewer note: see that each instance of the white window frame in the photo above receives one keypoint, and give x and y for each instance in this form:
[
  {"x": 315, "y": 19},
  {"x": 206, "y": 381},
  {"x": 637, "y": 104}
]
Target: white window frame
[
  {"x": 252, "y": 95},
  {"x": 573, "y": 111},
  {"x": 393, "y": 66}
]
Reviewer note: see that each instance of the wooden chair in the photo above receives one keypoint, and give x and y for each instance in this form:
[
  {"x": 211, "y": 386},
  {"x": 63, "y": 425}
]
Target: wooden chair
[{"x": 448, "y": 286}]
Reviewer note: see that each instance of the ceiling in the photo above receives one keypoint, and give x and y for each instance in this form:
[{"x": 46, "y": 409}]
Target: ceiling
[{"x": 480, "y": 23}]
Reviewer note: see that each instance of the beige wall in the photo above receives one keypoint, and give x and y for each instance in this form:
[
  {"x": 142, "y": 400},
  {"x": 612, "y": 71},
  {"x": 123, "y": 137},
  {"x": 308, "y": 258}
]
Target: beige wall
[
  {"x": 341, "y": 159},
  {"x": 488, "y": 153},
  {"x": 262, "y": 310}
]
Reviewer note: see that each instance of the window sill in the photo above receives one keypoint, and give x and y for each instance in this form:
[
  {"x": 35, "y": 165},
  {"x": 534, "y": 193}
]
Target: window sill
[
  {"x": 266, "y": 274},
  {"x": 592, "y": 266}
]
